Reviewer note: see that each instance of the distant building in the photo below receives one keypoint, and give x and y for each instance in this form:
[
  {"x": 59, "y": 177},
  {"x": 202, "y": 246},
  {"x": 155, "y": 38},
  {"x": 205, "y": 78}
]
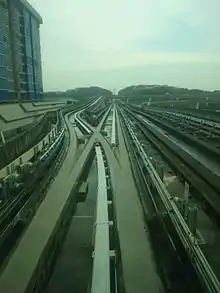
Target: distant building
[{"x": 20, "y": 54}]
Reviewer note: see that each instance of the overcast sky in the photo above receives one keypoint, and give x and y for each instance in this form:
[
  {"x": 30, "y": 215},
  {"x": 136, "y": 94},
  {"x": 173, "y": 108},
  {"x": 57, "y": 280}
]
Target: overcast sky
[{"x": 115, "y": 43}]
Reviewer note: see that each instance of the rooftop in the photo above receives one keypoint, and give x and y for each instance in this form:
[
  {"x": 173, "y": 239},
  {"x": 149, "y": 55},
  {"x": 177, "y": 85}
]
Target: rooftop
[{"x": 32, "y": 10}]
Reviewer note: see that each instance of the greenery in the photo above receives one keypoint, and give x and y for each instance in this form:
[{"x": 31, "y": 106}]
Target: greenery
[
  {"x": 79, "y": 93},
  {"x": 166, "y": 92}
]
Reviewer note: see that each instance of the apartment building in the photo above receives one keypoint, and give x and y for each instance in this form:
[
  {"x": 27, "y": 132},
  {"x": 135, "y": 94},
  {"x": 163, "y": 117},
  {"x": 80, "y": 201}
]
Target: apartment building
[{"x": 20, "y": 51}]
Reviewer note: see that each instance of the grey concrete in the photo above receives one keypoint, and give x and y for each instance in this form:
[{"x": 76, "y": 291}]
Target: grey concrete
[
  {"x": 73, "y": 270},
  {"x": 25, "y": 258},
  {"x": 138, "y": 263},
  {"x": 19, "y": 123},
  {"x": 137, "y": 259},
  {"x": 42, "y": 107},
  {"x": 14, "y": 112},
  {"x": 209, "y": 162},
  {"x": 139, "y": 270},
  {"x": 17, "y": 117},
  {"x": 20, "y": 268}
]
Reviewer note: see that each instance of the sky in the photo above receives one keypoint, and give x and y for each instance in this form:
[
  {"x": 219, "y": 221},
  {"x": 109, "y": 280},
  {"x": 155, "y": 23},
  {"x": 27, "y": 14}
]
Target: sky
[{"x": 117, "y": 43}]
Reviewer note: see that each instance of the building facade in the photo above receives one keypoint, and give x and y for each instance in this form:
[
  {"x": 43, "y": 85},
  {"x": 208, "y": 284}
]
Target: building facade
[{"x": 20, "y": 53}]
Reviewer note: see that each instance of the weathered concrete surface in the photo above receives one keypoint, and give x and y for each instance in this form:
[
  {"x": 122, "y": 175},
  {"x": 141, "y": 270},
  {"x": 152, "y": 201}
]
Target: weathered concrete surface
[
  {"x": 73, "y": 269},
  {"x": 138, "y": 264},
  {"x": 15, "y": 115}
]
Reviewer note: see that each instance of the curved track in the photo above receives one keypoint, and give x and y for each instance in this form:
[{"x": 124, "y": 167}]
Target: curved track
[
  {"x": 37, "y": 239},
  {"x": 36, "y": 253}
]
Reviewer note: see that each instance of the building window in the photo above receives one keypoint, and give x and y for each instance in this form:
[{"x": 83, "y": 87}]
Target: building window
[
  {"x": 3, "y": 4},
  {"x": 3, "y": 71},
  {"x": 2, "y": 61},
  {"x": 3, "y": 83}
]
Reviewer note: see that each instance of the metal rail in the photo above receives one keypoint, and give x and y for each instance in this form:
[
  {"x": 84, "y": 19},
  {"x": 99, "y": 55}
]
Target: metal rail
[
  {"x": 101, "y": 261},
  {"x": 82, "y": 125},
  {"x": 201, "y": 121},
  {"x": 113, "y": 137},
  {"x": 202, "y": 145},
  {"x": 205, "y": 128},
  {"x": 96, "y": 103},
  {"x": 198, "y": 260},
  {"x": 202, "y": 176}
]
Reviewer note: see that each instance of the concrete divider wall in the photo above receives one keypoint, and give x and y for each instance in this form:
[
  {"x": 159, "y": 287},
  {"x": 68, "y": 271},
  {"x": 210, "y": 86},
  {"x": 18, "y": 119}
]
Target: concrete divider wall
[{"x": 9, "y": 133}]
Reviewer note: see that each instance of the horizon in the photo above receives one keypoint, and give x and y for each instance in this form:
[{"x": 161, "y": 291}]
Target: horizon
[
  {"x": 135, "y": 85},
  {"x": 119, "y": 43}
]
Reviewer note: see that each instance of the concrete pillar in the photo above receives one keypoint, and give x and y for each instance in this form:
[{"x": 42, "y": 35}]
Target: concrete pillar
[
  {"x": 180, "y": 204},
  {"x": 4, "y": 146},
  {"x": 55, "y": 130},
  {"x": 49, "y": 138},
  {"x": 2, "y": 138},
  {"x": 161, "y": 172},
  {"x": 53, "y": 134},
  {"x": 12, "y": 168},
  {"x": 8, "y": 170},
  {"x": 192, "y": 219},
  {"x": 159, "y": 169},
  {"x": 35, "y": 150},
  {"x": 186, "y": 199},
  {"x": 6, "y": 189}
]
